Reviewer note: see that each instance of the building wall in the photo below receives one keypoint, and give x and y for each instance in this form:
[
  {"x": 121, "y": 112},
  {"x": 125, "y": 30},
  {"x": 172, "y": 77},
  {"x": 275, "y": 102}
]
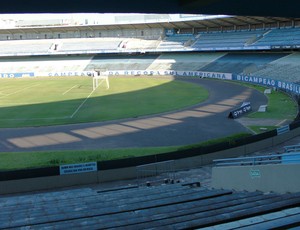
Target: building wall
[{"x": 280, "y": 178}]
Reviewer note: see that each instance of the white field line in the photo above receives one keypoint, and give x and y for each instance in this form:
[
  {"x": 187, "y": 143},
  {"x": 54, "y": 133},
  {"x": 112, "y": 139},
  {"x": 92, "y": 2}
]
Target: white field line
[
  {"x": 20, "y": 90},
  {"x": 280, "y": 122},
  {"x": 69, "y": 89},
  {"x": 99, "y": 84},
  {"x": 79, "y": 107}
]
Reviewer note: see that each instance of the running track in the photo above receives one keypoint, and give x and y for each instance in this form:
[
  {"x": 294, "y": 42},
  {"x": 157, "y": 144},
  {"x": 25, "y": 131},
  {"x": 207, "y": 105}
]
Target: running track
[{"x": 195, "y": 124}]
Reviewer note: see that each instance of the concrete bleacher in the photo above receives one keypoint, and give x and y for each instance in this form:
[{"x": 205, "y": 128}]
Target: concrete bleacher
[
  {"x": 139, "y": 44},
  {"x": 160, "y": 207},
  {"x": 89, "y": 44},
  {"x": 51, "y": 46},
  {"x": 241, "y": 63},
  {"x": 219, "y": 40},
  {"x": 283, "y": 219},
  {"x": 9, "y": 48},
  {"x": 183, "y": 61},
  {"x": 274, "y": 37},
  {"x": 285, "y": 68},
  {"x": 247, "y": 39},
  {"x": 176, "y": 41},
  {"x": 121, "y": 62},
  {"x": 44, "y": 64},
  {"x": 166, "y": 61}
]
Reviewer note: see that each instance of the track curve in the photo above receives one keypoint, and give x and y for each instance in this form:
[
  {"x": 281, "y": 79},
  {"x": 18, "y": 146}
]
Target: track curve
[{"x": 199, "y": 123}]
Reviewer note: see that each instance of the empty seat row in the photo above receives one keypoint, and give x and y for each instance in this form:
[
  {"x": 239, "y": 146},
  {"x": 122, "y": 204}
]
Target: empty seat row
[{"x": 160, "y": 207}]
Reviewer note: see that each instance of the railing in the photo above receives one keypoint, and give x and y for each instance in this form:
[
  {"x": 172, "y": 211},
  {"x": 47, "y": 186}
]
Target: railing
[
  {"x": 285, "y": 158},
  {"x": 154, "y": 173},
  {"x": 292, "y": 148}
]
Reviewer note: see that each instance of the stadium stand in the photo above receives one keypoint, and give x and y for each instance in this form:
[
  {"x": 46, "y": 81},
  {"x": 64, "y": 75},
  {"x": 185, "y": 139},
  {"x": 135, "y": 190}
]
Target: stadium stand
[
  {"x": 176, "y": 41},
  {"x": 121, "y": 62},
  {"x": 74, "y": 45},
  {"x": 287, "y": 218},
  {"x": 14, "y": 48},
  {"x": 274, "y": 37},
  {"x": 286, "y": 67},
  {"x": 183, "y": 61},
  {"x": 223, "y": 40},
  {"x": 139, "y": 44},
  {"x": 242, "y": 63},
  {"x": 90, "y": 44},
  {"x": 165, "y": 206},
  {"x": 247, "y": 39},
  {"x": 43, "y": 64}
]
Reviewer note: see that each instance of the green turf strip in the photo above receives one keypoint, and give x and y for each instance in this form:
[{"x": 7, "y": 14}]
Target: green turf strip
[
  {"x": 24, "y": 160},
  {"x": 280, "y": 105}
]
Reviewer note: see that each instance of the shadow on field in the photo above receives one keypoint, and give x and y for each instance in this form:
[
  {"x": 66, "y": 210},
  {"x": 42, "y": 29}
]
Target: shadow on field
[
  {"x": 101, "y": 105},
  {"x": 201, "y": 122}
]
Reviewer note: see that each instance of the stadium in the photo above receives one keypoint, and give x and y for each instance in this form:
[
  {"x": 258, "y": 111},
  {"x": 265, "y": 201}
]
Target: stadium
[{"x": 140, "y": 104}]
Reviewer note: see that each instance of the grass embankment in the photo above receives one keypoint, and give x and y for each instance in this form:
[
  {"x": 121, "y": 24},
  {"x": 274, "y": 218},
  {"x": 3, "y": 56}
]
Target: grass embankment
[
  {"x": 24, "y": 160},
  {"x": 280, "y": 106}
]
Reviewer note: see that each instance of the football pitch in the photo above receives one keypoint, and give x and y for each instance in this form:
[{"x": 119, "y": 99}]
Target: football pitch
[{"x": 44, "y": 101}]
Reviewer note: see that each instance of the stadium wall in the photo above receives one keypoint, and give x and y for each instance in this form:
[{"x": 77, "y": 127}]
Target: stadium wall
[{"x": 279, "y": 178}]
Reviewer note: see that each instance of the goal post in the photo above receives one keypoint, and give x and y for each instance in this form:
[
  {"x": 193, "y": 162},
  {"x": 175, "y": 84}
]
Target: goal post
[{"x": 99, "y": 77}]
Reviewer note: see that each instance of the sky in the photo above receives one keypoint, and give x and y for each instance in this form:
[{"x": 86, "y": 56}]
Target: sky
[{"x": 100, "y": 18}]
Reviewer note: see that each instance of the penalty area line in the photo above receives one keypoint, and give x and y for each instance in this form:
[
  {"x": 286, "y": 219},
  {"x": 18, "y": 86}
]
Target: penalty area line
[
  {"x": 23, "y": 89},
  {"x": 69, "y": 89},
  {"x": 281, "y": 122},
  {"x": 79, "y": 107}
]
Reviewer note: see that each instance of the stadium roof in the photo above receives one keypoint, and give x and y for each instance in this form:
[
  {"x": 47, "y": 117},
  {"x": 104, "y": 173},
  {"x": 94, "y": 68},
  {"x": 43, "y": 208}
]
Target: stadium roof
[
  {"x": 286, "y": 8},
  {"x": 230, "y": 21}
]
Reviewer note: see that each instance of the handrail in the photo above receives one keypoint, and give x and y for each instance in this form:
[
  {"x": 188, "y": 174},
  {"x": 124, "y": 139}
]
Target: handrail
[
  {"x": 260, "y": 160},
  {"x": 291, "y": 148}
]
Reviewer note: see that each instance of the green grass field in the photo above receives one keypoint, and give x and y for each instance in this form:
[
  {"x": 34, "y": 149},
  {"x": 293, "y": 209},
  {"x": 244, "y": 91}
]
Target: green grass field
[{"x": 65, "y": 100}]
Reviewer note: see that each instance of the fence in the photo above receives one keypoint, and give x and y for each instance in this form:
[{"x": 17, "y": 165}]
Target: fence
[
  {"x": 155, "y": 173},
  {"x": 285, "y": 158}
]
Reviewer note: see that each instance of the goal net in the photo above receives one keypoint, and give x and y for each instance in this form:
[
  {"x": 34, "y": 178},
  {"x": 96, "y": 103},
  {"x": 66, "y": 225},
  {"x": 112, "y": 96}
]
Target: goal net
[{"x": 100, "y": 77}]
